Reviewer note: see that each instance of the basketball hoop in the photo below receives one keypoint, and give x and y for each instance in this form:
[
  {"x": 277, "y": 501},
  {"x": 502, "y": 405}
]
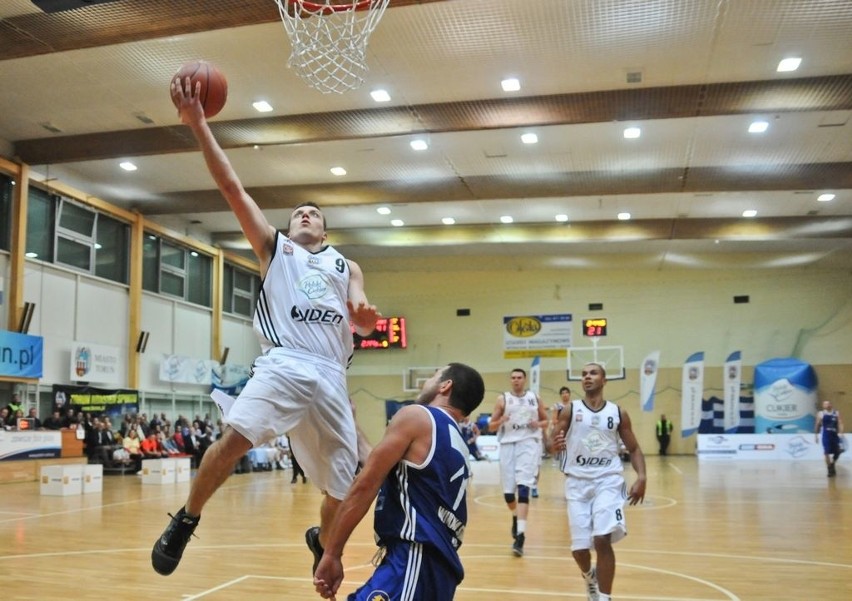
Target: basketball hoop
[{"x": 329, "y": 40}]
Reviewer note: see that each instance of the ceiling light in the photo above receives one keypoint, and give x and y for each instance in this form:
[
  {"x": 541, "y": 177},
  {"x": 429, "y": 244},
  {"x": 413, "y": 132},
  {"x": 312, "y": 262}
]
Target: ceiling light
[
  {"x": 338, "y": 171},
  {"x": 789, "y": 64},
  {"x": 261, "y": 106},
  {"x": 510, "y": 85},
  {"x": 383, "y": 211},
  {"x": 448, "y": 220},
  {"x": 31, "y": 255},
  {"x": 749, "y": 213},
  {"x": 98, "y": 246},
  {"x": 397, "y": 222},
  {"x": 623, "y": 216},
  {"x": 506, "y": 219},
  {"x": 419, "y": 145},
  {"x": 256, "y": 147},
  {"x": 380, "y": 95},
  {"x": 758, "y": 127},
  {"x": 632, "y": 132},
  {"x": 561, "y": 218},
  {"x": 825, "y": 197},
  {"x": 127, "y": 166},
  {"x": 529, "y": 138}
]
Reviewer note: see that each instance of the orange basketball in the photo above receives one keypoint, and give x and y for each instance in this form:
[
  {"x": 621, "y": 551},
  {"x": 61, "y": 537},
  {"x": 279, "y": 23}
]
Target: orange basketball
[{"x": 214, "y": 86}]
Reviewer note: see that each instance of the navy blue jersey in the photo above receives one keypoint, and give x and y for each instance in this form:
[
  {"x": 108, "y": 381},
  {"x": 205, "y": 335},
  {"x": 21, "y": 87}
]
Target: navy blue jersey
[
  {"x": 426, "y": 503},
  {"x": 829, "y": 422}
]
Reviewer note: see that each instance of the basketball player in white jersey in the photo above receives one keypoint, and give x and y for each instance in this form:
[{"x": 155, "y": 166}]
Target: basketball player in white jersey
[
  {"x": 309, "y": 295},
  {"x": 588, "y": 431},
  {"x": 519, "y": 419}
]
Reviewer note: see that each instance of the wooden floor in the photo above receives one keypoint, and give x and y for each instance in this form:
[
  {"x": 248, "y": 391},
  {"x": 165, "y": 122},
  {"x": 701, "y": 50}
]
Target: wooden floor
[{"x": 708, "y": 532}]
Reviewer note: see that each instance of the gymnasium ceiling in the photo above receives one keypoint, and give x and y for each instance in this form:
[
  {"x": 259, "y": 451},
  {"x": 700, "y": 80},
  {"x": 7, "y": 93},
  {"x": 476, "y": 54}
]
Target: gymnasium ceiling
[{"x": 88, "y": 88}]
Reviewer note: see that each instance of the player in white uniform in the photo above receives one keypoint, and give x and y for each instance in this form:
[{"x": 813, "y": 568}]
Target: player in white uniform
[
  {"x": 519, "y": 419},
  {"x": 589, "y": 431},
  {"x": 309, "y": 295}
]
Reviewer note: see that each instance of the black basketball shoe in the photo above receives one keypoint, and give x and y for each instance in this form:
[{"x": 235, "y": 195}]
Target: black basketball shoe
[
  {"x": 167, "y": 551},
  {"x": 312, "y": 538}
]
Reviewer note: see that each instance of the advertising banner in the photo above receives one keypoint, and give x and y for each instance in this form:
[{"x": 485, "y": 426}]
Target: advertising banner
[
  {"x": 96, "y": 363},
  {"x": 114, "y": 403},
  {"x": 731, "y": 386},
  {"x": 15, "y": 446},
  {"x": 692, "y": 393},
  {"x": 785, "y": 396},
  {"x": 21, "y": 355},
  {"x": 527, "y": 336},
  {"x": 648, "y": 380}
]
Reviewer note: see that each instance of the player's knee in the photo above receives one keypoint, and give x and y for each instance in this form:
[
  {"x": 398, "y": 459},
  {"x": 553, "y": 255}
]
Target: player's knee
[
  {"x": 509, "y": 497},
  {"x": 523, "y": 494}
]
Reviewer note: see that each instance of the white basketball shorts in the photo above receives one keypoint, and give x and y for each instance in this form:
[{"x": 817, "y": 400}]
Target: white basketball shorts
[
  {"x": 595, "y": 508},
  {"x": 519, "y": 463}
]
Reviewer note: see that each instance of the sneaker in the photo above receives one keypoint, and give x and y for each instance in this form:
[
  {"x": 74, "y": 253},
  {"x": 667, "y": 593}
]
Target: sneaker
[
  {"x": 518, "y": 545},
  {"x": 167, "y": 551},
  {"x": 831, "y": 470},
  {"x": 514, "y": 526},
  {"x": 312, "y": 538},
  {"x": 591, "y": 585},
  {"x": 535, "y": 492}
]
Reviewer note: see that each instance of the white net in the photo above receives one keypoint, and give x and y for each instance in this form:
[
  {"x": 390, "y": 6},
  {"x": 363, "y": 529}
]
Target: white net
[{"x": 329, "y": 40}]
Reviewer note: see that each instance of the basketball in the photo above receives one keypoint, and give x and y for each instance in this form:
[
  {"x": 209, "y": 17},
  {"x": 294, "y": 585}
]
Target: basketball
[{"x": 214, "y": 86}]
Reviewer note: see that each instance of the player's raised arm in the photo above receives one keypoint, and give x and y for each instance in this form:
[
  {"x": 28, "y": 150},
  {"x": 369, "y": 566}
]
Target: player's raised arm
[{"x": 258, "y": 231}]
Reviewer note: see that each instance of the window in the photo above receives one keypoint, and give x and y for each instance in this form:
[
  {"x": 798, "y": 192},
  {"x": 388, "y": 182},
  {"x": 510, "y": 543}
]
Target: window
[
  {"x": 176, "y": 271},
  {"x": 82, "y": 238},
  {"x": 112, "y": 249},
  {"x": 40, "y": 212},
  {"x": 239, "y": 291},
  {"x": 6, "y": 190}
]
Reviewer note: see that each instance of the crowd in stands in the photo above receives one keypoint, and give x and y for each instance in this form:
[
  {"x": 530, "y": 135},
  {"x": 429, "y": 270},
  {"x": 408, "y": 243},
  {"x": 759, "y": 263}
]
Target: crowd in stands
[{"x": 138, "y": 438}]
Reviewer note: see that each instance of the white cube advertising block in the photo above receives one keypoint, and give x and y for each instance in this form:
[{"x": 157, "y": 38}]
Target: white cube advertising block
[
  {"x": 158, "y": 471},
  {"x": 182, "y": 469},
  {"x": 62, "y": 480},
  {"x": 93, "y": 478}
]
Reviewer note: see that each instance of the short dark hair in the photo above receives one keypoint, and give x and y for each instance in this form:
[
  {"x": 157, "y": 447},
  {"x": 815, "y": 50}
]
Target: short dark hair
[
  {"x": 564, "y": 389},
  {"x": 314, "y": 205},
  {"x": 518, "y": 369},
  {"x": 468, "y": 387}
]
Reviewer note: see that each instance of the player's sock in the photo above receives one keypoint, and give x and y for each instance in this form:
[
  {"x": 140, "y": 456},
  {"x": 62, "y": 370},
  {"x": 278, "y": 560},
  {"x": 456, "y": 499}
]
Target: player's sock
[
  {"x": 514, "y": 526},
  {"x": 522, "y": 526},
  {"x": 604, "y": 597}
]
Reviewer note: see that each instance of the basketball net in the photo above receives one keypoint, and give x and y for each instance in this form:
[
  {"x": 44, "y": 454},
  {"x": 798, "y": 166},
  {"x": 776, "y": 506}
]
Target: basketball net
[{"x": 329, "y": 40}]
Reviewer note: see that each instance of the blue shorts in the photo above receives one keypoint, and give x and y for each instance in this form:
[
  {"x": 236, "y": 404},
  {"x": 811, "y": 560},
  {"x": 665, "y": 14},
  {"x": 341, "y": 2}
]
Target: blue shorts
[
  {"x": 830, "y": 442},
  {"x": 408, "y": 573}
]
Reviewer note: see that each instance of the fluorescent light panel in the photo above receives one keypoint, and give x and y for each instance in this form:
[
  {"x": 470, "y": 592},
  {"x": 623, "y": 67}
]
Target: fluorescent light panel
[
  {"x": 825, "y": 197},
  {"x": 127, "y": 166},
  {"x": 419, "y": 145},
  {"x": 380, "y": 95},
  {"x": 632, "y": 132},
  {"x": 338, "y": 171},
  {"x": 789, "y": 64},
  {"x": 510, "y": 84},
  {"x": 758, "y": 127},
  {"x": 529, "y": 138},
  {"x": 261, "y": 106}
]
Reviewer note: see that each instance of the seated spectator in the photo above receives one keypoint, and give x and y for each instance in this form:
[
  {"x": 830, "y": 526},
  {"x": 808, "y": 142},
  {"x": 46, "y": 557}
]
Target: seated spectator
[
  {"x": 70, "y": 419},
  {"x": 33, "y": 415},
  {"x": 132, "y": 445},
  {"x": 194, "y": 445},
  {"x": 54, "y": 422},
  {"x": 99, "y": 444},
  {"x": 4, "y": 418},
  {"x": 151, "y": 447}
]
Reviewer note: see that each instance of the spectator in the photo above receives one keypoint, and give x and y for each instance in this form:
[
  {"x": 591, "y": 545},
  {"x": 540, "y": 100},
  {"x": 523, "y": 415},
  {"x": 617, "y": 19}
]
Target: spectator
[
  {"x": 54, "y": 422},
  {"x": 132, "y": 445},
  {"x": 99, "y": 444},
  {"x": 4, "y": 418},
  {"x": 70, "y": 419},
  {"x": 151, "y": 447},
  {"x": 13, "y": 407},
  {"x": 470, "y": 432},
  {"x": 33, "y": 415}
]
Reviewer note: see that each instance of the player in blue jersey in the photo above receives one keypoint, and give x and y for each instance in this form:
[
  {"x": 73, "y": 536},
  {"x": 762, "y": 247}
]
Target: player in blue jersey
[
  {"x": 420, "y": 471},
  {"x": 828, "y": 420}
]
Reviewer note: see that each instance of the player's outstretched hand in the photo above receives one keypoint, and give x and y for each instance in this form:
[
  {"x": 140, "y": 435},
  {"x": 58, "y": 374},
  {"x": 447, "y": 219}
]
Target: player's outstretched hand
[
  {"x": 328, "y": 577},
  {"x": 187, "y": 99},
  {"x": 637, "y": 492},
  {"x": 364, "y": 316}
]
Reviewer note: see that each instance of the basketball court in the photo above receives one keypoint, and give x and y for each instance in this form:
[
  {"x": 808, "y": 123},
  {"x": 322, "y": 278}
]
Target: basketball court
[{"x": 718, "y": 532}]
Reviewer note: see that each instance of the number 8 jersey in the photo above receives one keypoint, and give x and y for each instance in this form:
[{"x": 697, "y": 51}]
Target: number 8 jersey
[{"x": 592, "y": 441}]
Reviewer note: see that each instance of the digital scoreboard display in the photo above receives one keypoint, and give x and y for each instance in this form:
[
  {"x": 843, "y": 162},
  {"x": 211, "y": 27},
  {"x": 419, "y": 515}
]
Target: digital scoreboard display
[
  {"x": 389, "y": 333},
  {"x": 594, "y": 327}
]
